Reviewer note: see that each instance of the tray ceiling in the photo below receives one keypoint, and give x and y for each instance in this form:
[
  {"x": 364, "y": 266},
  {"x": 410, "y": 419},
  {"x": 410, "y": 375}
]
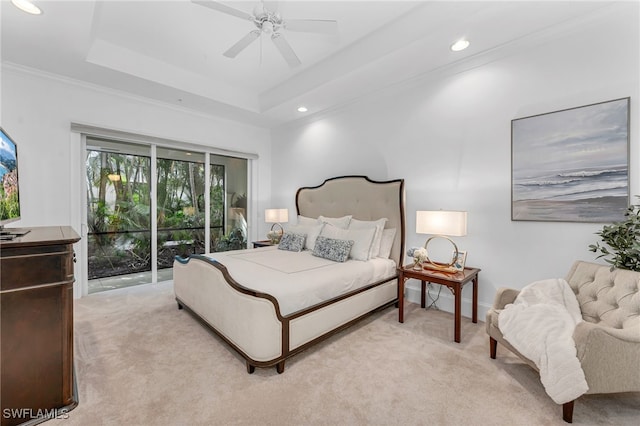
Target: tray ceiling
[{"x": 171, "y": 51}]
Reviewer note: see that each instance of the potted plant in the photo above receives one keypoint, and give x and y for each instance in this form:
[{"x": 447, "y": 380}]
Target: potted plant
[{"x": 621, "y": 241}]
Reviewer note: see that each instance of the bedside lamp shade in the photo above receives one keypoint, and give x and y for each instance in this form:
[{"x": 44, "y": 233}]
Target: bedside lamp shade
[
  {"x": 276, "y": 215},
  {"x": 441, "y": 222}
]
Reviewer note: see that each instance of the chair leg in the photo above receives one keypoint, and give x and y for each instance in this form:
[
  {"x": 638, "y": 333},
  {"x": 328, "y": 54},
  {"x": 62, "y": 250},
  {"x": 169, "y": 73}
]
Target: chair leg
[
  {"x": 567, "y": 411},
  {"x": 493, "y": 346}
]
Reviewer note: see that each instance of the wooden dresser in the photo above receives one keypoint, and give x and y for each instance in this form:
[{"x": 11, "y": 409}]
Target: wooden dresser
[{"x": 36, "y": 348}]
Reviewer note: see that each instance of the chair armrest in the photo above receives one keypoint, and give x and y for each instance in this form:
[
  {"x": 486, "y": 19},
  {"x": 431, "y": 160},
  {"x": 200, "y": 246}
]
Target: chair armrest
[
  {"x": 609, "y": 357},
  {"x": 504, "y": 296}
]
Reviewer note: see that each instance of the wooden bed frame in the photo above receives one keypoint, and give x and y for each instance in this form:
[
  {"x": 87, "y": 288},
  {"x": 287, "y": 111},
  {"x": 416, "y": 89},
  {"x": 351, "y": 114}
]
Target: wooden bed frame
[{"x": 251, "y": 322}]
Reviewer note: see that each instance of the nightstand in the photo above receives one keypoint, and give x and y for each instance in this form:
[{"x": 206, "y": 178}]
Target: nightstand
[
  {"x": 455, "y": 283},
  {"x": 262, "y": 243}
]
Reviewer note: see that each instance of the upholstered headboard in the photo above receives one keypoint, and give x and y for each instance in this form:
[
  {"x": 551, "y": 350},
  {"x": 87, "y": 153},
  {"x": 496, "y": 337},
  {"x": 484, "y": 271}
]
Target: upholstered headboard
[{"x": 361, "y": 197}]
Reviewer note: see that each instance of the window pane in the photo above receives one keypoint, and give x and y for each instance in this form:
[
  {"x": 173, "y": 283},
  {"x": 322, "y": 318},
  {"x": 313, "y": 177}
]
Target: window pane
[
  {"x": 216, "y": 194},
  {"x": 178, "y": 242},
  {"x": 228, "y": 203},
  {"x": 112, "y": 254},
  {"x": 181, "y": 205},
  {"x": 118, "y": 216}
]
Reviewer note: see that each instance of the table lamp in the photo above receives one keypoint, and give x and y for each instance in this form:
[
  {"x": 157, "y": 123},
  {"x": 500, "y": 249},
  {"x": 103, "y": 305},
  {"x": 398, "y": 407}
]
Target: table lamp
[
  {"x": 441, "y": 224},
  {"x": 276, "y": 217}
]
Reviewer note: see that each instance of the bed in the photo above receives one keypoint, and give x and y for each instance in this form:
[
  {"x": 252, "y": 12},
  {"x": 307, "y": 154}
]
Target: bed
[{"x": 238, "y": 294}]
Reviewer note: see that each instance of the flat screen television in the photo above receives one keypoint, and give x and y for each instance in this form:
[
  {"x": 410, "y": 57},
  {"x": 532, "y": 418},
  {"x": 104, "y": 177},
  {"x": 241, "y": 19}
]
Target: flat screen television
[{"x": 9, "y": 185}]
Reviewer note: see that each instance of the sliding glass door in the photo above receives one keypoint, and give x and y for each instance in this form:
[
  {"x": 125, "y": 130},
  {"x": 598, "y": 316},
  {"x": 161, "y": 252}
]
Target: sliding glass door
[
  {"x": 217, "y": 215},
  {"x": 228, "y": 187},
  {"x": 118, "y": 214},
  {"x": 196, "y": 212}
]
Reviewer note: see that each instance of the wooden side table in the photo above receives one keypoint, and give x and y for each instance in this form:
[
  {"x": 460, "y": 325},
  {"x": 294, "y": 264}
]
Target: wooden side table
[
  {"x": 455, "y": 283},
  {"x": 262, "y": 243}
]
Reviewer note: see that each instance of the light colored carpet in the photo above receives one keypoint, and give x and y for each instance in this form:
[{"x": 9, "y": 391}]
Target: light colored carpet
[{"x": 141, "y": 361}]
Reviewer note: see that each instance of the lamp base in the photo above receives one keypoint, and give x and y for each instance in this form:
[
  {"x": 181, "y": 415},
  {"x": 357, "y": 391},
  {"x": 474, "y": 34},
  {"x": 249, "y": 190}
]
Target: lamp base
[
  {"x": 441, "y": 267},
  {"x": 274, "y": 235}
]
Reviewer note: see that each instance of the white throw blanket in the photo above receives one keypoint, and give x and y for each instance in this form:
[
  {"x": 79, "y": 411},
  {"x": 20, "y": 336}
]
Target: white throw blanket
[{"x": 540, "y": 325}]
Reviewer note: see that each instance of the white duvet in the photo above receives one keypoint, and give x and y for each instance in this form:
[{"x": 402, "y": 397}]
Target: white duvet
[
  {"x": 540, "y": 325},
  {"x": 299, "y": 280}
]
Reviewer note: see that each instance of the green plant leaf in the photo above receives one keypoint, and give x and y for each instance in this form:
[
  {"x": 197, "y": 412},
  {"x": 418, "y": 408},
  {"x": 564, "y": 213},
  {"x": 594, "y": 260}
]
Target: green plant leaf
[{"x": 621, "y": 241}]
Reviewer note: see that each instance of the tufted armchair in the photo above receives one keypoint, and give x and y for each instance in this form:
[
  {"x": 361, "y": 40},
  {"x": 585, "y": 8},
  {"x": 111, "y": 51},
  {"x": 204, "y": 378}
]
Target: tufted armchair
[{"x": 607, "y": 341}]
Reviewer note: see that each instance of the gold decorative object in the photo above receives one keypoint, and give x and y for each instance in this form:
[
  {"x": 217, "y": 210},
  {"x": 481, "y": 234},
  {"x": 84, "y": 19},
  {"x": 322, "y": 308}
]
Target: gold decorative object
[
  {"x": 440, "y": 224},
  {"x": 275, "y": 216}
]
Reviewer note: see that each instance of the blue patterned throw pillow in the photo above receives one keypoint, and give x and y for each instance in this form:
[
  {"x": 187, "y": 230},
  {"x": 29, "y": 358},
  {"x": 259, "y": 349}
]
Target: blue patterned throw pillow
[
  {"x": 332, "y": 249},
  {"x": 292, "y": 242}
]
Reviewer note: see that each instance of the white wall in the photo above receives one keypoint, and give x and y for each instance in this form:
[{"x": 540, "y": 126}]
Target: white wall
[
  {"x": 37, "y": 111},
  {"x": 449, "y": 136}
]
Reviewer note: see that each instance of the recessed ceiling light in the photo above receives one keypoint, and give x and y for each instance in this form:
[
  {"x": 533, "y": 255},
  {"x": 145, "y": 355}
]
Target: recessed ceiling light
[
  {"x": 302, "y": 109},
  {"x": 460, "y": 45},
  {"x": 27, "y": 6}
]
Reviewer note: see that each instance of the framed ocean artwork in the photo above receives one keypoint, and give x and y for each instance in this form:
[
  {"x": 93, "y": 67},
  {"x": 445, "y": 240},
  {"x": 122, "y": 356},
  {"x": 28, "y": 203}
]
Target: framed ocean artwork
[{"x": 571, "y": 165}]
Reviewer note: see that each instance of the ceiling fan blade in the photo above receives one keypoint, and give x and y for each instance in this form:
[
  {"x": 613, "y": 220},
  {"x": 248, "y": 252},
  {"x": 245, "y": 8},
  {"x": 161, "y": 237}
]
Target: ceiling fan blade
[
  {"x": 211, "y": 4},
  {"x": 245, "y": 41},
  {"x": 312, "y": 26},
  {"x": 285, "y": 50}
]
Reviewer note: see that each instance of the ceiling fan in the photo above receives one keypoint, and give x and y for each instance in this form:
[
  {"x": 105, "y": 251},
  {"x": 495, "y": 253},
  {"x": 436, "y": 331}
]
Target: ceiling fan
[{"x": 271, "y": 23}]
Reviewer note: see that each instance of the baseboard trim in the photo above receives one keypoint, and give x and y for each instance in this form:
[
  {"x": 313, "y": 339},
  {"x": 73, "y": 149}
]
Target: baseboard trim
[{"x": 445, "y": 301}]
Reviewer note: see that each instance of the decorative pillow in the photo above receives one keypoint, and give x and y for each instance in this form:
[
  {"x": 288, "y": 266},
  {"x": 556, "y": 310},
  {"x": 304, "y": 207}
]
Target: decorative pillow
[
  {"x": 340, "y": 222},
  {"x": 307, "y": 221},
  {"x": 332, "y": 249},
  {"x": 386, "y": 242},
  {"x": 292, "y": 242},
  {"x": 378, "y": 225},
  {"x": 362, "y": 239},
  {"x": 311, "y": 231}
]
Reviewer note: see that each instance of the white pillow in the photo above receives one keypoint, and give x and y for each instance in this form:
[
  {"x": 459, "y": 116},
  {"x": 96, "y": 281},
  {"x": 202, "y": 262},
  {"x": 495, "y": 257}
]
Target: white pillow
[
  {"x": 340, "y": 222},
  {"x": 386, "y": 242},
  {"x": 362, "y": 239},
  {"x": 303, "y": 220},
  {"x": 378, "y": 225},
  {"x": 311, "y": 231}
]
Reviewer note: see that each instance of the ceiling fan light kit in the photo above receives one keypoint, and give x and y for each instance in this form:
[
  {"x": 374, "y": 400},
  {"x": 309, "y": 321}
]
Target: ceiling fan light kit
[{"x": 272, "y": 24}]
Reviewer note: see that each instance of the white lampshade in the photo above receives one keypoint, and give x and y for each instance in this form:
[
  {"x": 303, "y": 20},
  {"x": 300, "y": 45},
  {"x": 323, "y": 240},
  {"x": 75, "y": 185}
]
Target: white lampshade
[
  {"x": 441, "y": 223},
  {"x": 276, "y": 215}
]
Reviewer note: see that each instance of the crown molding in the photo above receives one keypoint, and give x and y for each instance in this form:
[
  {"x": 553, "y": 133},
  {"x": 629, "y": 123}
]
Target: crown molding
[{"x": 253, "y": 119}]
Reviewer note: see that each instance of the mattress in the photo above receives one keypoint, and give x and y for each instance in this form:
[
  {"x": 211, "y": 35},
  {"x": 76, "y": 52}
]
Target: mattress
[{"x": 299, "y": 280}]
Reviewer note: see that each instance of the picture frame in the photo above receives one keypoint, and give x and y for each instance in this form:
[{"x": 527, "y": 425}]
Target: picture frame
[
  {"x": 571, "y": 165},
  {"x": 462, "y": 259}
]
